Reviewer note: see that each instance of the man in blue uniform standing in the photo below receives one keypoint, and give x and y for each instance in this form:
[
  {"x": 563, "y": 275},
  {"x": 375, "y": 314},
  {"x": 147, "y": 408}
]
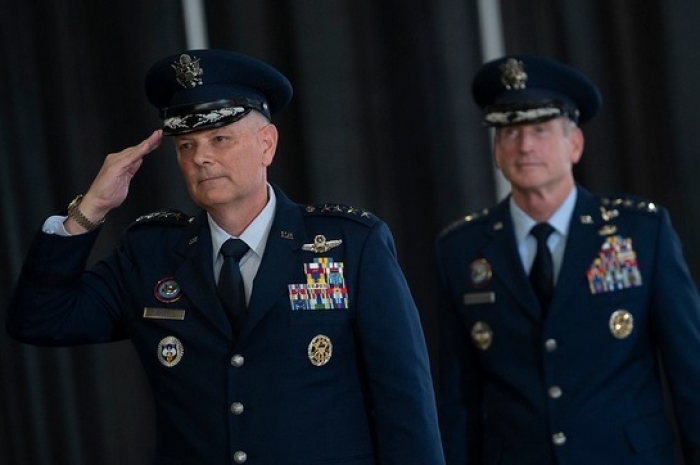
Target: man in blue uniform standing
[
  {"x": 270, "y": 332},
  {"x": 557, "y": 304}
]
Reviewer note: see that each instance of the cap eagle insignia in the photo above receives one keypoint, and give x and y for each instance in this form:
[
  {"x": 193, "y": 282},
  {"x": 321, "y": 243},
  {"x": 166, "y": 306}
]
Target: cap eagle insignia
[
  {"x": 513, "y": 75},
  {"x": 187, "y": 71}
]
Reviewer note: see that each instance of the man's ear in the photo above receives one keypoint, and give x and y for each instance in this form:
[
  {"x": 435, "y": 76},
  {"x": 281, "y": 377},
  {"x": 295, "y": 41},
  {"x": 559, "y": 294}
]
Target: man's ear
[
  {"x": 578, "y": 141},
  {"x": 268, "y": 136}
]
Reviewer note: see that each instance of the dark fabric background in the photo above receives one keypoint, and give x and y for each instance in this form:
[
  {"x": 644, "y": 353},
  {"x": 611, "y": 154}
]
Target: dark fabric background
[{"x": 382, "y": 118}]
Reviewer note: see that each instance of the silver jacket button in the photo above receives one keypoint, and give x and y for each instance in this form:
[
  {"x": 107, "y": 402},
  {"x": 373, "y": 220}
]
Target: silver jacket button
[
  {"x": 550, "y": 345},
  {"x": 555, "y": 392},
  {"x": 559, "y": 439},
  {"x": 237, "y": 408}
]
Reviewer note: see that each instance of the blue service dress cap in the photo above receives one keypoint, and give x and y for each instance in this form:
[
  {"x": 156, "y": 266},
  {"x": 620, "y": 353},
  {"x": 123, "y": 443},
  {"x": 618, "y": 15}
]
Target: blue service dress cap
[
  {"x": 523, "y": 89},
  {"x": 203, "y": 89}
]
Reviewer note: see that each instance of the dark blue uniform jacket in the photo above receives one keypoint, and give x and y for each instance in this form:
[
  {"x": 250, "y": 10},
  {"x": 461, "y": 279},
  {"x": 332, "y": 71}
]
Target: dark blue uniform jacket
[
  {"x": 367, "y": 399},
  {"x": 580, "y": 385}
]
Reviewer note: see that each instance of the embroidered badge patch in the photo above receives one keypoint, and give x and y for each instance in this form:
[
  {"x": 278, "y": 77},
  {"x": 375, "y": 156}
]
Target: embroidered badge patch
[
  {"x": 324, "y": 289},
  {"x": 615, "y": 267}
]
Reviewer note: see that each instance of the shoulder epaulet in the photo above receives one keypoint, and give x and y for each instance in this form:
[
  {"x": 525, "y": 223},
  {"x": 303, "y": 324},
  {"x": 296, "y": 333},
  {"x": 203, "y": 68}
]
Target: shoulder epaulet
[
  {"x": 339, "y": 210},
  {"x": 611, "y": 207},
  {"x": 166, "y": 216},
  {"x": 475, "y": 217}
]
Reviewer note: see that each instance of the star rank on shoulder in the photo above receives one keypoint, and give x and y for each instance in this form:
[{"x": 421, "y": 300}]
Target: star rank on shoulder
[
  {"x": 465, "y": 220},
  {"x": 346, "y": 211}
]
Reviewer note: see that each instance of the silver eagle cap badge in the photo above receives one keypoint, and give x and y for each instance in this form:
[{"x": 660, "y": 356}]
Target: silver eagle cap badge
[{"x": 188, "y": 73}]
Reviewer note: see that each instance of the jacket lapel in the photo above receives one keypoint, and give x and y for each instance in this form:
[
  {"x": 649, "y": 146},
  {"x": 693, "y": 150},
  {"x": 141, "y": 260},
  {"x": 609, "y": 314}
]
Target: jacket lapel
[
  {"x": 582, "y": 246},
  {"x": 503, "y": 255},
  {"x": 279, "y": 265},
  {"x": 196, "y": 274}
]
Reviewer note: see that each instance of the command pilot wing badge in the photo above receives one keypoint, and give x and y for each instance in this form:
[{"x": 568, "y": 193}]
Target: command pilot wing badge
[{"x": 321, "y": 245}]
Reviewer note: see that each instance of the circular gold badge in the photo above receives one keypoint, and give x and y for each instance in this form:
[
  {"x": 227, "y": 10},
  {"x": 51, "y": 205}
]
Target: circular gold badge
[
  {"x": 621, "y": 323},
  {"x": 170, "y": 351},
  {"x": 482, "y": 335},
  {"x": 479, "y": 273},
  {"x": 320, "y": 350}
]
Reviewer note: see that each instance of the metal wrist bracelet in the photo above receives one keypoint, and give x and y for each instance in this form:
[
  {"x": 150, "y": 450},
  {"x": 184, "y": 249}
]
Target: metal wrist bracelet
[{"x": 75, "y": 213}]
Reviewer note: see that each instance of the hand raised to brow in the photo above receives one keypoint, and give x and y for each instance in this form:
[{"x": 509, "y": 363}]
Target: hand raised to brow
[{"x": 111, "y": 185}]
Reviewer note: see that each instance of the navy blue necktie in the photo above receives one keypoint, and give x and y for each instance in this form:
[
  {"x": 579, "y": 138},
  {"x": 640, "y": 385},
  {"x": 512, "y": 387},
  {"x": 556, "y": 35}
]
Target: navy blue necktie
[
  {"x": 230, "y": 287},
  {"x": 542, "y": 271}
]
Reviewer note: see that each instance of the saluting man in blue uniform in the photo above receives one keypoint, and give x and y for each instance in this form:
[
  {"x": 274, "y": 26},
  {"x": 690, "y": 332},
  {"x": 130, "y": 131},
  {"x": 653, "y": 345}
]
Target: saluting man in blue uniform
[
  {"x": 551, "y": 345},
  {"x": 301, "y": 345}
]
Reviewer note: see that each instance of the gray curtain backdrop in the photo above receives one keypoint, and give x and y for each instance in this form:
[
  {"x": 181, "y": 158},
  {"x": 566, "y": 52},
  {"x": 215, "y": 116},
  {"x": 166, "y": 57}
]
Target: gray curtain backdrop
[{"x": 382, "y": 118}]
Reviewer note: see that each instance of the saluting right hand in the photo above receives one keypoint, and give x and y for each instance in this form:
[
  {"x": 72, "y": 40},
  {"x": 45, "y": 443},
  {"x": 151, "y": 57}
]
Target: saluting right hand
[{"x": 111, "y": 185}]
